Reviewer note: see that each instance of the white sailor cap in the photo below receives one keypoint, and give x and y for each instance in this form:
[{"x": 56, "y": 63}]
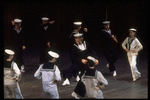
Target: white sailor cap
[
  {"x": 132, "y": 29},
  {"x": 45, "y": 18},
  {"x": 53, "y": 54},
  {"x": 106, "y": 22},
  {"x": 77, "y": 23},
  {"x": 10, "y": 52},
  {"x": 78, "y": 35},
  {"x": 17, "y": 20},
  {"x": 91, "y": 58}
]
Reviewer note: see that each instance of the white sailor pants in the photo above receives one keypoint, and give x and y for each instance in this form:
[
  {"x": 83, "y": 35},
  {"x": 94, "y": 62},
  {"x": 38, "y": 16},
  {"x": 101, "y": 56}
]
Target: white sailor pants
[
  {"x": 12, "y": 91},
  {"x": 132, "y": 63}
]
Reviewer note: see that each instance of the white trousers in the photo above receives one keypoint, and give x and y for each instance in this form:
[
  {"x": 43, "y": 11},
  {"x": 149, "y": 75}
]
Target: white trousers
[
  {"x": 132, "y": 61},
  {"x": 12, "y": 91}
]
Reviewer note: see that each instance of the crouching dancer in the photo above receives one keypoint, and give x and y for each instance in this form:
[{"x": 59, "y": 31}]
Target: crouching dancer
[
  {"x": 92, "y": 80},
  {"x": 79, "y": 52}
]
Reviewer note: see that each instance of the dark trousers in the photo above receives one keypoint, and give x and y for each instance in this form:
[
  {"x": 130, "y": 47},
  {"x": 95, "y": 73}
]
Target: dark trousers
[
  {"x": 18, "y": 58},
  {"x": 43, "y": 54},
  {"x": 73, "y": 70},
  {"x": 111, "y": 58}
]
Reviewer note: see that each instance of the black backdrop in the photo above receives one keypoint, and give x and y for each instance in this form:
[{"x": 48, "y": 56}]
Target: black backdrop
[{"x": 122, "y": 15}]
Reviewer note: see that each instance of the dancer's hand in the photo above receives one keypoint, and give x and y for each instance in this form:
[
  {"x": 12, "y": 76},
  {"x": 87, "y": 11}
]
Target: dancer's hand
[
  {"x": 51, "y": 22},
  {"x": 127, "y": 50},
  {"x": 115, "y": 39},
  {"x": 97, "y": 62},
  {"x": 49, "y": 44},
  {"x": 85, "y": 29},
  {"x": 13, "y": 22},
  {"x": 23, "y": 47},
  {"x": 84, "y": 61},
  {"x": 55, "y": 81},
  {"x": 133, "y": 51}
]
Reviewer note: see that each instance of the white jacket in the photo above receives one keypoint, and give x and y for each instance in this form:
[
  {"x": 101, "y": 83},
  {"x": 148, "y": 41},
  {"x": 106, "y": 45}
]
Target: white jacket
[
  {"x": 135, "y": 45},
  {"x": 11, "y": 73},
  {"x": 91, "y": 83},
  {"x": 48, "y": 76}
]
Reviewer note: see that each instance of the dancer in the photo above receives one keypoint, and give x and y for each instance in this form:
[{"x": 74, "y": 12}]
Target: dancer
[
  {"x": 12, "y": 75},
  {"x": 18, "y": 42},
  {"x": 132, "y": 49},
  {"x": 79, "y": 52},
  {"x": 50, "y": 74},
  {"x": 46, "y": 35},
  {"x": 77, "y": 29},
  {"x": 93, "y": 80},
  {"x": 107, "y": 48}
]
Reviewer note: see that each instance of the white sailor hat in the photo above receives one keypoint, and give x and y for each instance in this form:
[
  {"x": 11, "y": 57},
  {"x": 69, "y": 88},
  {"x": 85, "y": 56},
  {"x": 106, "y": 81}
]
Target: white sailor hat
[
  {"x": 10, "y": 52},
  {"x": 45, "y": 18},
  {"x": 77, "y": 23},
  {"x": 78, "y": 35},
  {"x": 132, "y": 29},
  {"x": 106, "y": 22},
  {"x": 17, "y": 20},
  {"x": 53, "y": 54},
  {"x": 91, "y": 58}
]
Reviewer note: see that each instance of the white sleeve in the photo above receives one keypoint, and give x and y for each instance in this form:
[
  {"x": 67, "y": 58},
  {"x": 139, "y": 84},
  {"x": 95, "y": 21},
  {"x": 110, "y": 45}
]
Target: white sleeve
[
  {"x": 124, "y": 43},
  {"x": 139, "y": 45},
  {"x": 17, "y": 71},
  {"x": 38, "y": 73},
  {"x": 57, "y": 74},
  {"x": 101, "y": 78}
]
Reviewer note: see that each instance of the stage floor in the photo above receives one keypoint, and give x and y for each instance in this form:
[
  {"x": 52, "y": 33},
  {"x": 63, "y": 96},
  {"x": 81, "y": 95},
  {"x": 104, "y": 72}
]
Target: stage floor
[{"x": 120, "y": 87}]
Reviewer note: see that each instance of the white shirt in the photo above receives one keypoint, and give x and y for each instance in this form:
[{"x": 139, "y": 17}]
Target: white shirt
[
  {"x": 45, "y": 28},
  {"x": 18, "y": 31},
  {"x": 109, "y": 31},
  {"x": 81, "y": 46},
  {"x": 135, "y": 45},
  {"x": 15, "y": 74}
]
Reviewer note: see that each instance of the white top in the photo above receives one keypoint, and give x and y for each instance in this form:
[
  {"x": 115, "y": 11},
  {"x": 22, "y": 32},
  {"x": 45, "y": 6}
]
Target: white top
[
  {"x": 48, "y": 75},
  {"x": 135, "y": 45},
  {"x": 14, "y": 73},
  {"x": 91, "y": 83},
  {"x": 81, "y": 47}
]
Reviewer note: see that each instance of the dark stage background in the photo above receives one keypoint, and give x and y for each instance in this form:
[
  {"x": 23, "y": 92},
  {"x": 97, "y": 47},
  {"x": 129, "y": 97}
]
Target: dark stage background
[{"x": 122, "y": 15}]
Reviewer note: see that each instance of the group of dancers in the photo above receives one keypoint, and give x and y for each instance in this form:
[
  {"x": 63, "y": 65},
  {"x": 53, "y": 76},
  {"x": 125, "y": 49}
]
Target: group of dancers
[{"x": 90, "y": 81}]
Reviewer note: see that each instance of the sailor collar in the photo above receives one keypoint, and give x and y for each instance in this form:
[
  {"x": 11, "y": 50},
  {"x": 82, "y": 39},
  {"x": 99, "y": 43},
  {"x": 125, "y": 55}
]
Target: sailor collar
[
  {"x": 45, "y": 28},
  {"x": 130, "y": 41},
  {"x": 53, "y": 68},
  {"x": 109, "y": 31},
  {"x": 18, "y": 31},
  {"x": 81, "y": 48}
]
